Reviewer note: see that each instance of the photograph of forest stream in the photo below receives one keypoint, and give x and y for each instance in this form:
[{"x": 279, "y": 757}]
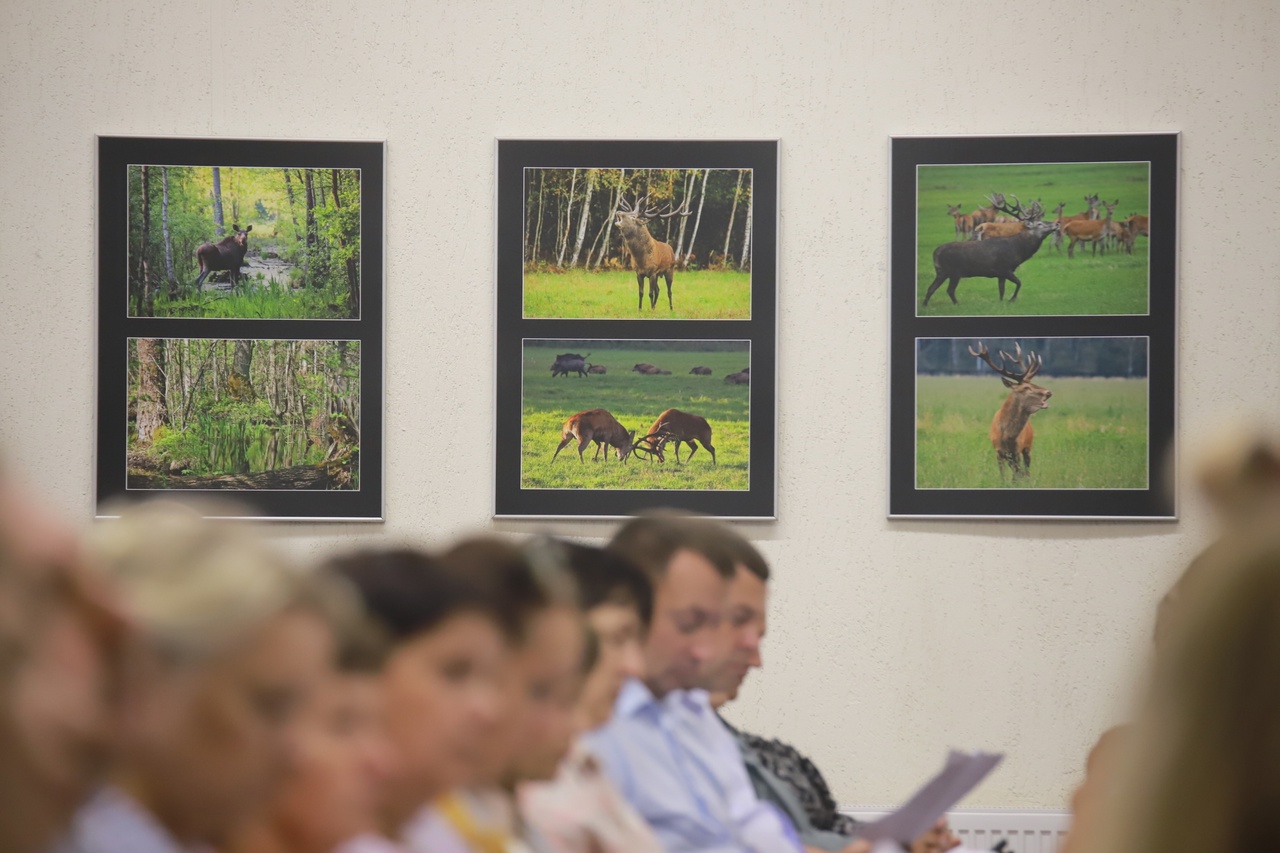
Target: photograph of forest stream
[{"x": 243, "y": 414}]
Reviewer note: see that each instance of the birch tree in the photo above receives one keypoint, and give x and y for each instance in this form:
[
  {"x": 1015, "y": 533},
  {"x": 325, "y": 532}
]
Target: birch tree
[
  {"x": 733, "y": 210},
  {"x": 744, "y": 261},
  {"x": 706, "y": 174},
  {"x": 220, "y": 227},
  {"x": 568, "y": 220},
  {"x": 582, "y": 220}
]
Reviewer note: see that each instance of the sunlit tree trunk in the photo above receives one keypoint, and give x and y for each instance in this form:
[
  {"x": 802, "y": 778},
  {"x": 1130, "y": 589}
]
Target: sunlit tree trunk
[
  {"x": 733, "y": 210},
  {"x": 168, "y": 243},
  {"x": 582, "y": 220},
  {"x": 151, "y": 389},
  {"x": 537, "y": 230},
  {"x": 146, "y": 297},
  {"x": 220, "y": 227},
  {"x": 568, "y": 220},
  {"x": 706, "y": 174},
  {"x": 745, "y": 260}
]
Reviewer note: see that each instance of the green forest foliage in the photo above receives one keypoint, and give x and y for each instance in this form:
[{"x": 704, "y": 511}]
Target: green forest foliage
[
  {"x": 304, "y": 249},
  {"x": 300, "y": 405}
]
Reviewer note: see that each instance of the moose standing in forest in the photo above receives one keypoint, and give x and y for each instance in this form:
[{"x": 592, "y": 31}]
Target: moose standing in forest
[
  {"x": 650, "y": 258},
  {"x": 225, "y": 255},
  {"x": 1011, "y": 432}
]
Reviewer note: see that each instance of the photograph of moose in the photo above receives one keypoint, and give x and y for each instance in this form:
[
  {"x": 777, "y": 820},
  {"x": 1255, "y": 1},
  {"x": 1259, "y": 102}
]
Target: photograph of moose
[
  {"x": 662, "y": 244},
  {"x": 243, "y": 415},
  {"x": 244, "y": 242},
  {"x": 1032, "y": 413},
  {"x": 636, "y": 414},
  {"x": 1032, "y": 239}
]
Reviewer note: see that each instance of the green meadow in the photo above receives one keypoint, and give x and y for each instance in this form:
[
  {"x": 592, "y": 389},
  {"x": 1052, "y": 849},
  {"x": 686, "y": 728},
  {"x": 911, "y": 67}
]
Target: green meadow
[
  {"x": 1092, "y": 436},
  {"x": 1110, "y": 283},
  {"x": 611, "y": 294},
  {"x": 636, "y": 401}
]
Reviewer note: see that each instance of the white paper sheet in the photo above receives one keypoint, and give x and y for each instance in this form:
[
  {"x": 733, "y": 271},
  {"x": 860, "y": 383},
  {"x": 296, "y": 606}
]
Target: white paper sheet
[{"x": 960, "y": 775}]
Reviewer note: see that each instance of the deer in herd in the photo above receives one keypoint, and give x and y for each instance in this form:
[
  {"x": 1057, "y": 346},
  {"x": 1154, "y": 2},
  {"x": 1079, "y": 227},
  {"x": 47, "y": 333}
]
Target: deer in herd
[
  {"x": 226, "y": 254},
  {"x": 1011, "y": 431},
  {"x": 996, "y": 259},
  {"x": 678, "y": 427},
  {"x": 1091, "y": 231},
  {"x": 650, "y": 258},
  {"x": 1090, "y": 213},
  {"x": 600, "y": 426},
  {"x": 983, "y": 214},
  {"x": 964, "y": 221}
]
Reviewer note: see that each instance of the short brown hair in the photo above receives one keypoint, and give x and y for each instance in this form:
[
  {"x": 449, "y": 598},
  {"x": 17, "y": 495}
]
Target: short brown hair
[{"x": 651, "y": 540}]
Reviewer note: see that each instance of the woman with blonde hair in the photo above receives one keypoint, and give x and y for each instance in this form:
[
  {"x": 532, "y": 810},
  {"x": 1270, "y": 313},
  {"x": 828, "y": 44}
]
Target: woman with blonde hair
[{"x": 230, "y": 642}]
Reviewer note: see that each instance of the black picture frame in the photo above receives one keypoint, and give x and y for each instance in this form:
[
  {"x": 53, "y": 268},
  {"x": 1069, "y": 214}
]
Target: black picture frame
[
  {"x": 349, "y": 487},
  {"x": 751, "y": 325},
  {"x": 1106, "y": 323}
]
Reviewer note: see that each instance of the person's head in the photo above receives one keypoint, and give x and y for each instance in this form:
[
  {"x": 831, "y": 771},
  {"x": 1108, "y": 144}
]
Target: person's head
[
  {"x": 232, "y": 640},
  {"x": 1208, "y": 740},
  {"x": 744, "y": 625},
  {"x": 617, "y": 599},
  {"x": 441, "y": 683},
  {"x": 61, "y": 636},
  {"x": 545, "y": 644},
  {"x": 685, "y": 559},
  {"x": 344, "y": 757}
]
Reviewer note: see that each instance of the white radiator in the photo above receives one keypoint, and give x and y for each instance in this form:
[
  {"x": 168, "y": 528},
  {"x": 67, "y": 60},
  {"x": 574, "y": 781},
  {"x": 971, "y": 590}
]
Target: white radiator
[{"x": 1027, "y": 830}]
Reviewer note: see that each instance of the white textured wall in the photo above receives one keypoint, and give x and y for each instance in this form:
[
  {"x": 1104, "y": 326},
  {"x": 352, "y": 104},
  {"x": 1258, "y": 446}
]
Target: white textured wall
[{"x": 888, "y": 642}]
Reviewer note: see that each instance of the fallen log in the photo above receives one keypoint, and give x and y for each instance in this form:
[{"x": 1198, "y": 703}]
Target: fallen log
[{"x": 297, "y": 478}]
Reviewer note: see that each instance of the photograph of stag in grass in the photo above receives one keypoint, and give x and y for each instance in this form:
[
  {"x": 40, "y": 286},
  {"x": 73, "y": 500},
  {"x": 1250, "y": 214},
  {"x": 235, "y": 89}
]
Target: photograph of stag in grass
[
  {"x": 1032, "y": 413},
  {"x": 636, "y": 414},
  {"x": 637, "y": 243},
  {"x": 244, "y": 242},
  {"x": 243, "y": 414},
  {"x": 1032, "y": 238}
]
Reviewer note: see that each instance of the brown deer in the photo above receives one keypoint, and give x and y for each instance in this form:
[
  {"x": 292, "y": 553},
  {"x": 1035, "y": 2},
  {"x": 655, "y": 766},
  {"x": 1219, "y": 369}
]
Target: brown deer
[
  {"x": 650, "y": 258},
  {"x": 1139, "y": 224},
  {"x": 676, "y": 426},
  {"x": 226, "y": 254},
  {"x": 996, "y": 259},
  {"x": 600, "y": 426},
  {"x": 1091, "y": 231},
  {"x": 1011, "y": 431},
  {"x": 983, "y": 214},
  {"x": 964, "y": 221}
]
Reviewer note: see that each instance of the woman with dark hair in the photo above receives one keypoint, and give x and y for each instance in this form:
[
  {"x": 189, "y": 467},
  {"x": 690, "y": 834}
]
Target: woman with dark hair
[
  {"x": 544, "y": 634},
  {"x": 569, "y": 801},
  {"x": 441, "y": 682}
]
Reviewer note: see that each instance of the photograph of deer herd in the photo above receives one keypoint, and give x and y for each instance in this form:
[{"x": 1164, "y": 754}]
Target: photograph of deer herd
[
  {"x": 637, "y": 243},
  {"x": 244, "y": 242},
  {"x": 1075, "y": 234},
  {"x": 636, "y": 414},
  {"x": 1038, "y": 413},
  {"x": 243, "y": 414}
]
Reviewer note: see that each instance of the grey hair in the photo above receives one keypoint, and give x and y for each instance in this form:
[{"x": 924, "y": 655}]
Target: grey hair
[{"x": 194, "y": 587}]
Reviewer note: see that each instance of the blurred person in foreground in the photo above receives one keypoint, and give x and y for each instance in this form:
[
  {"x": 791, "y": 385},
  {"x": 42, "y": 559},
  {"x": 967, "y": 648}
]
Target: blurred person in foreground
[
  {"x": 343, "y": 759},
  {"x": 565, "y": 795},
  {"x": 231, "y": 640},
  {"x": 439, "y": 688},
  {"x": 780, "y": 774},
  {"x": 1200, "y": 769},
  {"x": 665, "y": 749},
  {"x": 61, "y": 636},
  {"x": 535, "y": 658}
]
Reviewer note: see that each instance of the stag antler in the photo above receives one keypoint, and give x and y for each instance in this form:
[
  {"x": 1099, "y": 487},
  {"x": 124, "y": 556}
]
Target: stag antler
[
  {"x": 1035, "y": 212},
  {"x": 1029, "y": 369}
]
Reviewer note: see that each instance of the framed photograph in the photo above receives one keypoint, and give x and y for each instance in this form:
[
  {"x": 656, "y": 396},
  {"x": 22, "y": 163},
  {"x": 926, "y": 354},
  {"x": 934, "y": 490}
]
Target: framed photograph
[
  {"x": 636, "y": 298},
  {"x": 240, "y": 323},
  {"x": 1033, "y": 323}
]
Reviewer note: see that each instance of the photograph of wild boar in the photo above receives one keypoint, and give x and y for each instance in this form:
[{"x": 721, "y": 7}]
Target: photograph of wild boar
[
  {"x": 637, "y": 243},
  {"x": 243, "y": 415},
  {"x": 1033, "y": 239},
  {"x": 1032, "y": 413},
  {"x": 660, "y": 415},
  {"x": 244, "y": 242}
]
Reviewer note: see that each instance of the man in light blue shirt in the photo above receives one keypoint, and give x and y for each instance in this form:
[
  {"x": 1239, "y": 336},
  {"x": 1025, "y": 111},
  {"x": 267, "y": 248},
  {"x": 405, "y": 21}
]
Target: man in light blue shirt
[{"x": 665, "y": 749}]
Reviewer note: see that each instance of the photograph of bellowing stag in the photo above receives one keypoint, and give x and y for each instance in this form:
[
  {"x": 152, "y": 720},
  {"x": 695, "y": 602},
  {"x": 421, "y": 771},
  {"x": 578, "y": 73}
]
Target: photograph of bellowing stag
[
  {"x": 1011, "y": 431},
  {"x": 600, "y": 426},
  {"x": 996, "y": 257},
  {"x": 226, "y": 255},
  {"x": 650, "y": 258}
]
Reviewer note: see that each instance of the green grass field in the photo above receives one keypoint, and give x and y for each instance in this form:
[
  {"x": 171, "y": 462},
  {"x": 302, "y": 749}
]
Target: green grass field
[
  {"x": 1092, "y": 436},
  {"x": 611, "y": 294},
  {"x": 1052, "y": 284},
  {"x": 636, "y": 401}
]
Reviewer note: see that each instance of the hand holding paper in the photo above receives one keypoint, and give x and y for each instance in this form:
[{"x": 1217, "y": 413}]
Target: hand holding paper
[{"x": 960, "y": 775}]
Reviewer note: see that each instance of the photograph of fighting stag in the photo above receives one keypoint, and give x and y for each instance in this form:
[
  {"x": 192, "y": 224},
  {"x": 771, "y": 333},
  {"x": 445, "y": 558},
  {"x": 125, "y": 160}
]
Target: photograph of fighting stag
[
  {"x": 1013, "y": 236},
  {"x": 674, "y": 385},
  {"x": 589, "y": 233},
  {"x": 1094, "y": 436}
]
